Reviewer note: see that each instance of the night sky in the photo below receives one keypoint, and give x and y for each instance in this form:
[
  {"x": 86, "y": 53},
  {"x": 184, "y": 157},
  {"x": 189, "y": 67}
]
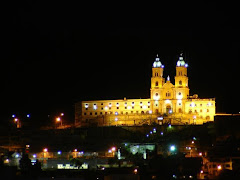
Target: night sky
[{"x": 54, "y": 55}]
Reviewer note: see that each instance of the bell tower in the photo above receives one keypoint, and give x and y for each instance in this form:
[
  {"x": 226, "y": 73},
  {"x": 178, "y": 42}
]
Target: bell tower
[
  {"x": 157, "y": 79},
  {"x": 181, "y": 79}
]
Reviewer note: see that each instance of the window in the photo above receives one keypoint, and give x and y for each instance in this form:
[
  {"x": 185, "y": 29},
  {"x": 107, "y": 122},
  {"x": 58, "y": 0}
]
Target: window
[
  {"x": 90, "y": 113},
  {"x": 126, "y": 107},
  {"x": 117, "y": 107},
  {"x": 95, "y": 113},
  {"x": 180, "y": 110},
  {"x": 85, "y": 114},
  {"x": 132, "y": 107},
  {"x": 200, "y": 110},
  {"x": 195, "y": 111},
  {"x": 207, "y": 110},
  {"x": 168, "y": 94},
  {"x": 148, "y": 106},
  {"x": 179, "y": 94},
  {"x": 101, "y": 103},
  {"x": 141, "y": 107},
  {"x": 109, "y": 107},
  {"x": 121, "y": 112},
  {"x": 101, "y": 113},
  {"x": 126, "y": 113},
  {"x": 131, "y": 112},
  {"x": 156, "y": 83},
  {"x": 180, "y": 83},
  {"x": 86, "y": 108},
  {"x": 179, "y": 104},
  {"x": 111, "y": 112},
  {"x": 136, "y": 112},
  {"x": 142, "y": 112}
]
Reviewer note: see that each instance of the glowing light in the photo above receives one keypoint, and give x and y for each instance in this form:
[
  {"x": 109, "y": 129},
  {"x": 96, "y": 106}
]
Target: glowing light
[
  {"x": 113, "y": 148},
  {"x": 162, "y": 133},
  {"x": 116, "y": 113},
  {"x": 144, "y": 107},
  {"x": 167, "y": 101},
  {"x": 194, "y": 117},
  {"x": 150, "y": 132},
  {"x": 75, "y": 150},
  {"x": 16, "y": 120},
  {"x": 154, "y": 130},
  {"x": 135, "y": 171},
  {"x": 58, "y": 119},
  {"x": 170, "y": 126},
  {"x": 109, "y": 151},
  {"x": 147, "y": 135},
  {"x": 172, "y": 148},
  {"x": 170, "y": 111},
  {"x": 27, "y": 146},
  {"x": 34, "y": 156},
  {"x": 110, "y": 105},
  {"x": 219, "y": 167},
  {"x": 200, "y": 154},
  {"x": 86, "y": 105},
  {"x": 160, "y": 118},
  {"x": 94, "y": 107},
  {"x": 156, "y": 97},
  {"x": 150, "y": 112},
  {"x": 28, "y": 115},
  {"x": 17, "y": 156},
  {"x": 45, "y": 150},
  {"x": 192, "y": 142},
  {"x": 13, "y": 115},
  {"x": 59, "y": 152},
  {"x": 186, "y": 65},
  {"x": 106, "y": 108},
  {"x": 116, "y": 119},
  {"x": 129, "y": 107},
  {"x": 201, "y": 171},
  {"x": 62, "y": 114},
  {"x": 168, "y": 78}
]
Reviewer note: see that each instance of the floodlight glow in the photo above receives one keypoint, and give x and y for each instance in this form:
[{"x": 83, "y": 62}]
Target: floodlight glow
[
  {"x": 59, "y": 152},
  {"x": 17, "y": 156},
  {"x": 28, "y": 115},
  {"x": 13, "y": 115},
  {"x": 116, "y": 119},
  {"x": 219, "y": 167},
  {"x": 45, "y": 150},
  {"x": 34, "y": 156}
]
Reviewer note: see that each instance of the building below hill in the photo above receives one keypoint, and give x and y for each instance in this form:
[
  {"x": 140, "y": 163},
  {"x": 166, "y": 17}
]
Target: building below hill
[{"x": 168, "y": 103}]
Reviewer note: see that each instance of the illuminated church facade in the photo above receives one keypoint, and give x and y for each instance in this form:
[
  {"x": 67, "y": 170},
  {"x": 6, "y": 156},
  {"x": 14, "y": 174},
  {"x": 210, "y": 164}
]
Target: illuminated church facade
[{"x": 168, "y": 103}]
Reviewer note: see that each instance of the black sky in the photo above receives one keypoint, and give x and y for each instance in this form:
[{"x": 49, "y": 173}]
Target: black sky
[{"x": 56, "y": 54}]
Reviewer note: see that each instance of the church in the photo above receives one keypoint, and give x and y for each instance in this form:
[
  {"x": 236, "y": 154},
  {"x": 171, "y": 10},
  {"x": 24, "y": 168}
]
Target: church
[{"x": 168, "y": 104}]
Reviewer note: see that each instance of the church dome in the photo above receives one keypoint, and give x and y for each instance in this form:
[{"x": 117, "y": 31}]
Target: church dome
[
  {"x": 181, "y": 62},
  {"x": 157, "y": 63}
]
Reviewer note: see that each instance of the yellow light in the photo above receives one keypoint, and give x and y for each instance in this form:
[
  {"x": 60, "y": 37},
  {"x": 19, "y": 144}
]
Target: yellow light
[
  {"x": 45, "y": 150},
  {"x": 219, "y": 167},
  {"x": 200, "y": 154},
  {"x": 75, "y": 150},
  {"x": 129, "y": 107},
  {"x": 201, "y": 171},
  {"x": 167, "y": 101},
  {"x": 113, "y": 148},
  {"x": 135, "y": 171},
  {"x": 192, "y": 142},
  {"x": 58, "y": 119},
  {"x": 16, "y": 120},
  {"x": 62, "y": 114},
  {"x": 144, "y": 107},
  {"x": 106, "y": 108}
]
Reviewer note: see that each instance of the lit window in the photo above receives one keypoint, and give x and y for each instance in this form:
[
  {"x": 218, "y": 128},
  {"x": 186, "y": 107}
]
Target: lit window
[
  {"x": 180, "y": 83},
  {"x": 117, "y": 104},
  {"x": 156, "y": 84},
  {"x": 133, "y": 103},
  {"x": 110, "y": 104},
  {"x": 86, "y": 105},
  {"x": 140, "y": 103}
]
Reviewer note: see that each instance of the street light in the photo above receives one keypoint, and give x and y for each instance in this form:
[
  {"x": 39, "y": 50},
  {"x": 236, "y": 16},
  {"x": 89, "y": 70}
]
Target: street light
[{"x": 58, "y": 119}]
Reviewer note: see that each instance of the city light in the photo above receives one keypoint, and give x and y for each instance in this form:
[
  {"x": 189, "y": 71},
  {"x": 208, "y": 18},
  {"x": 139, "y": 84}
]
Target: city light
[
  {"x": 219, "y": 167},
  {"x": 16, "y": 119},
  {"x": 45, "y": 150},
  {"x": 75, "y": 150},
  {"x": 135, "y": 171},
  {"x": 28, "y": 115},
  {"x": 58, "y": 119},
  {"x": 13, "y": 115},
  {"x": 160, "y": 118},
  {"x": 162, "y": 133},
  {"x": 113, "y": 148},
  {"x": 170, "y": 126},
  {"x": 59, "y": 152},
  {"x": 62, "y": 114},
  {"x": 154, "y": 130},
  {"x": 34, "y": 156}
]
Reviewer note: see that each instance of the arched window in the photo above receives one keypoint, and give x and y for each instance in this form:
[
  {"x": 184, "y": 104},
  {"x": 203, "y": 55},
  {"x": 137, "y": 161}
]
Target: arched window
[
  {"x": 156, "y": 83},
  {"x": 180, "y": 82},
  {"x": 180, "y": 110},
  {"x": 142, "y": 112}
]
